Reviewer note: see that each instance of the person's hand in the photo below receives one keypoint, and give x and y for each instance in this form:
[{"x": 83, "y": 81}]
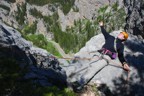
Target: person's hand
[
  {"x": 101, "y": 23},
  {"x": 126, "y": 67}
]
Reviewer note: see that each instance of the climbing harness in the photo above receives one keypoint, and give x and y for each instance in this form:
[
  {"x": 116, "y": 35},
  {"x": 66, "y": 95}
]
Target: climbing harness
[
  {"x": 78, "y": 87},
  {"x": 105, "y": 51}
]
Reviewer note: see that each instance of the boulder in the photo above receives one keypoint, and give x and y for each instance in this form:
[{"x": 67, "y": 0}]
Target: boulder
[{"x": 41, "y": 67}]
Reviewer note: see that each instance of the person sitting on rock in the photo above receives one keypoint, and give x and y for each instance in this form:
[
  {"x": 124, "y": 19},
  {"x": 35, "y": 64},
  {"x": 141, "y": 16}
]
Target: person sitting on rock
[{"x": 114, "y": 45}]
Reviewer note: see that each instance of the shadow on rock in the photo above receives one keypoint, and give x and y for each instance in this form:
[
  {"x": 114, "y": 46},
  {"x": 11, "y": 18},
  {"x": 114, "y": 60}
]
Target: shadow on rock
[
  {"x": 135, "y": 85},
  {"x": 25, "y": 68}
]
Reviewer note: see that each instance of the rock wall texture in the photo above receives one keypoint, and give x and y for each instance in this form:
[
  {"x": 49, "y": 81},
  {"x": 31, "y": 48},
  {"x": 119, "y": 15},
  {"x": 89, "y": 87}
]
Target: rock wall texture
[
  {"x": 135, "y": 17},
  {"x": 42, "y": 67},
  {"x": 112, "y": 79},
  {"x": 88, "y": 8}
]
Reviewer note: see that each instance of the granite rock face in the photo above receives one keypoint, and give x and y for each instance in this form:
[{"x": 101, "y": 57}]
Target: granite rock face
[
  {"x": 43, "y": 68},
  {"x": 110, "y": 76},
  {"x": 88, "y": 8},
  {"x": 135, "y": 17}
]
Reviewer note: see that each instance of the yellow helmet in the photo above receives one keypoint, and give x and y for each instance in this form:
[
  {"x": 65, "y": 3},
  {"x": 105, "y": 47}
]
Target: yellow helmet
[{"x": 125, "y": 35}]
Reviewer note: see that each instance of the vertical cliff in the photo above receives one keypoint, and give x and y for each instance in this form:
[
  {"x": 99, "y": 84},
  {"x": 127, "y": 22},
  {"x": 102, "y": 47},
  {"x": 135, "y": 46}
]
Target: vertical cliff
[
  {"x": 135, "y": 17},
  {"x": 21, "y": 63}
]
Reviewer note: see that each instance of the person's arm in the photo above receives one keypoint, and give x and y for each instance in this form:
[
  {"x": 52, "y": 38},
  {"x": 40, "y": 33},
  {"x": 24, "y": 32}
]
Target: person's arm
[
  {"x": 104, "y": 32},
  {"x": 122, "y": 59},
  {"x": 121, "y": 56}
]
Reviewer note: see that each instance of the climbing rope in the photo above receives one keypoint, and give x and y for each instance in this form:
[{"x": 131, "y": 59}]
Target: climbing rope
[
  {"x": 89, "y": 64},
  {"x": 128, "y": 72},
  {"x": 109, "y": 61}
]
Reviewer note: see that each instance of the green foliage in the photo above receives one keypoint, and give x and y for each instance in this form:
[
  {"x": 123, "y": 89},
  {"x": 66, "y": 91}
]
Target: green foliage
[
  {"x": 30, "y": 29},
  {"x": 36, "y": 13},
  {"x": 40, "y": 41},
  {"x": 66, "y": 5},
  {"x": 4, "y": 7},
  {"x": 90, "y": 30},
  {"x": 115, "y": 6},
  {"x": 37, "y": 40},
  {"x": 51, "y": 21},
  {"x": 10, "y": 73},
  {"x": 75, "y": 9},
  {"x": 101, "y": 12},
  {"x": 66, "y": 40},
  {"x": 20, "y": 14},
  {"x": 75, "y": 37},
  {"x": 113, "y": 17},
  {"x": 47, "y": 91},
  {"x": 39, "y": 2},
  {"x": 53, "y": 91}
]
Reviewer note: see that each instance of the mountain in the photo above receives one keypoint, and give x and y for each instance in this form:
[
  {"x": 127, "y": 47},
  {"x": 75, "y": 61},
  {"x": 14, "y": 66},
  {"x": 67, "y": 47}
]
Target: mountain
[
  {"x": 40, "y": 67},
  {"x": 25, "y": 24},
  {"x": 59, "y": 20}
]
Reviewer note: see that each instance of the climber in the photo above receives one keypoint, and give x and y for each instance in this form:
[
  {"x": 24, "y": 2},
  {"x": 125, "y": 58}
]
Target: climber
[{"x": 114, "y": 45}]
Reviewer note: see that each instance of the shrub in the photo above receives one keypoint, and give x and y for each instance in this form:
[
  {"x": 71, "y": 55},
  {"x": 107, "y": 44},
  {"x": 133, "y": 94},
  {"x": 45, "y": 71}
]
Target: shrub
[
  {"x": 51, "y": 21},
  {"x": 66, "y": 5},
  {"x": 36, "y": 13},
  {"x": 75, "y": 37},
  {"x": 20, "y": 14},
  {"x": 40, "y": 41},
  {"x": 114, "y": 19},
  {"x": 30, "y": 29}
]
